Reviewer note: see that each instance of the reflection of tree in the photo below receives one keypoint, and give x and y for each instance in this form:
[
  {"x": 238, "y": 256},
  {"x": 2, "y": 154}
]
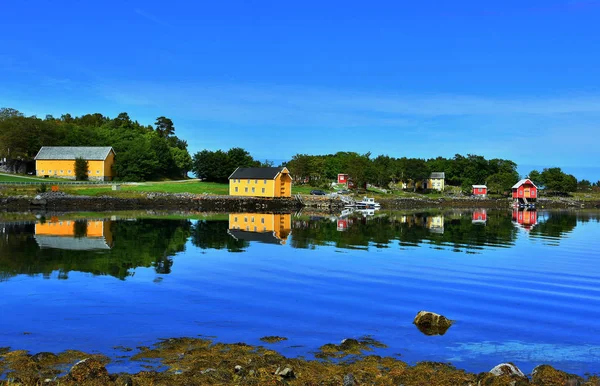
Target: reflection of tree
[
  {"x": 80, "y": 228},
  {"x": 141, "y": 243},
  {"x": 213, "y": 235},
  {"x": 458, "y": 231},
  {"x": 557, "y": 224}
]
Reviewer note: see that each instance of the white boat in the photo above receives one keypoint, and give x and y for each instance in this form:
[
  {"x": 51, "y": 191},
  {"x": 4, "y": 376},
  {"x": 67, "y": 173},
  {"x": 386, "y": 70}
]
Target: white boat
[{"x": 367, "y": 203}]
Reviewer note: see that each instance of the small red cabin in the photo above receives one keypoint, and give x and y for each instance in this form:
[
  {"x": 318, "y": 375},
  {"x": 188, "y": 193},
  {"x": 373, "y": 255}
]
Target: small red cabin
[
  {"x": 480, "y": 190},
  {"x": 525, "y": 189},
  {"x": 342, "y": 178}
]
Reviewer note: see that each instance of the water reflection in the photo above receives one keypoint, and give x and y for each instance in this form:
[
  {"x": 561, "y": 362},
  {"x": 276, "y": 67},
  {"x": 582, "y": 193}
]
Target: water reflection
[
  {"x": 265, "y": 228},
  {"x": 79, "y": 235},
  {"x": 117, "y": 246},
  {"x": 99, "y": 247}
]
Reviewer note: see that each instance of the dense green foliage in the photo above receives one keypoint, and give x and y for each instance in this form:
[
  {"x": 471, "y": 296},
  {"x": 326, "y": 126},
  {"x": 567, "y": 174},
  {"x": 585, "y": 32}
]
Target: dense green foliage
[
  {"x": 81, "y": 169},
  {"x": 554, "y": 180},
  {"x": 383, "y": 170},
  {"x": 217, "y": 166},
  {"x": 143, "y": 153}
]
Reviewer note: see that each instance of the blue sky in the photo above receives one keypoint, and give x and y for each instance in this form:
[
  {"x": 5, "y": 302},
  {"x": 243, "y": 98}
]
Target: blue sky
[{"x": 507, "y": 79}]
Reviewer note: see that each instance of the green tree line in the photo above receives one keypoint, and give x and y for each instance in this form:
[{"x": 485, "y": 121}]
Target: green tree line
[{"x": 143, "y": 152}]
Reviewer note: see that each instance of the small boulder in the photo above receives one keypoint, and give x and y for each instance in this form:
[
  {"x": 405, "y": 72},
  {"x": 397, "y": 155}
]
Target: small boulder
[
  {"x": 548, "y": 375},
  {"x": 430, "y": 323},
  {"x": 88, "y": 369},
  {"x": 287, "y": 373},
  {"x": 507, "y": 369},
  {"x": 349, "y": 380},
  {"x": 238, "y": 368},
  {"x": 44, "y": 356}
]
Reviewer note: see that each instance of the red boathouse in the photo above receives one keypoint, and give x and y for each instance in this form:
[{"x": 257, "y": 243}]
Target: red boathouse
[
  {"x": 525, "y": 193},
  {"x": 342, "y": 178},
  {"x": 480, "y": 190}
]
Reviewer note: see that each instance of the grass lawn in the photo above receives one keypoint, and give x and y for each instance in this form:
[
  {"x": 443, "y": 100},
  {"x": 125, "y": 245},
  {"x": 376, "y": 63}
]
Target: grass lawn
[
  {"x": 194, "y": 187},
  {"x": 19, "y": 178}
]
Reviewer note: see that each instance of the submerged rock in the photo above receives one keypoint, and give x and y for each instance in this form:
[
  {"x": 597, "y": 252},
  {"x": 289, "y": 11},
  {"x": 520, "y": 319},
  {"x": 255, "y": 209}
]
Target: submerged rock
[
  {"x": 430, "y": 323},
  {"x": 273, "y": 339}
]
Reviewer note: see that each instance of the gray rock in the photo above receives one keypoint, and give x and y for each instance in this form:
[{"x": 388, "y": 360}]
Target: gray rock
[
  {"x": 349, "y": 380},
  {"x": 238, "y": 368},
  {"x": 507, "y": 369},
  {"x": 285, "y": 373},
  {"x": 209, "y": 370}
]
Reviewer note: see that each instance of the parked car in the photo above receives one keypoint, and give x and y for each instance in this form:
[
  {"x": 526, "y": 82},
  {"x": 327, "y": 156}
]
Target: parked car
[
  {"x": 317, "y": 193},
  {"x": 344, "y": 191}
]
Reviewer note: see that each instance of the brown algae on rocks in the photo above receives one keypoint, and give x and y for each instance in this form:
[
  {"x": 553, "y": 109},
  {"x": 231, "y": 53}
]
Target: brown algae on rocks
[{"x": 273, "y": 339}]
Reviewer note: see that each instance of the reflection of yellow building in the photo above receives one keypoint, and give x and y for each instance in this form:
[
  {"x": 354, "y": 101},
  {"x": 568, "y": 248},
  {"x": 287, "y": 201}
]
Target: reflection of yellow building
[
  {"x": 435, "y": 223},
  {"x": 77, "y": 235},
  {"x": 263, "y": 227}
]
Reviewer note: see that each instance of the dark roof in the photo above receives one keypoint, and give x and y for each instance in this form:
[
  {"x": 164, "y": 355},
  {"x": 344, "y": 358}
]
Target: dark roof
[
  {"x": 72, "y": 243},
  {"x": 261, "y": 237},
  {"x": 441, "y": 175},
  {"x": 72, "y": 152},
  {"x": 258, "y": 173}
]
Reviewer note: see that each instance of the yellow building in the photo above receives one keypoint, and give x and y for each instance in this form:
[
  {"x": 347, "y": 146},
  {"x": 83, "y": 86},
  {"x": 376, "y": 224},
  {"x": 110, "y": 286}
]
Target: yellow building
[
  {"x": 59, "y": 162},
  {"x": 74, "y": 235},
  {"x": 261, "y": 227},
  {"x": 260, "y": 182}
]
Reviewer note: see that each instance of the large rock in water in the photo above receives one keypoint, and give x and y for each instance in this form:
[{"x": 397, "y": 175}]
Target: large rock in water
[
  {"x": 507, "y": 369},
  {"x": 430, "y": 323},
  {"x": 548, "y": 375}
]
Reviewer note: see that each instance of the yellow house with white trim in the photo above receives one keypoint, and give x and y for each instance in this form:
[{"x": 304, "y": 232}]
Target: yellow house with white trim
[
  {"x": 59, "y": 162},
  {"x": 260, "y": 182}
]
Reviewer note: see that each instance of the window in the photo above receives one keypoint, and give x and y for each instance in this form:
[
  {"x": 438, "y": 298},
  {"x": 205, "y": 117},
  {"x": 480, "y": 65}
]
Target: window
[
  {"x": 262, "y": 220},
  {"x": 252, "y": 190},
  {"x": 264, "y": 229},
  {"x": 256, "y": 181},
  {"x": 235, "y": 219},
  {"x": 247, "y": 181},
  {"x": 69, "y": 172},
  {"x": 97, "y": 171},
  {"x": 252, "y": 219},
  {"x": 245, "y": 219},
  {"x": 236, "y": 189},
  {"x": 254, "y": 229},
  {"x": 246, "y": 190},
  {"x": 263, "y": 190},
  {"x": 61, "y": 172},
  {"x": 247, "y": 228},
  {"x": 42, "y": 170},
  {"x": 265, "y": 181}
]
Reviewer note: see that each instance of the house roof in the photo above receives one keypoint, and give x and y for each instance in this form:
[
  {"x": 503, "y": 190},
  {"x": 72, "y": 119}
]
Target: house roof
[
  {"x": 441, "y": 175},
  {"x": 72, "y": 152},
  {"x": 258, "y": 173},
  {"x": 522, "y": 182},
  {"x": 480, "y": 186},
  {"x": 261, "y": 237},
  {"x": 72, "y": 243}
]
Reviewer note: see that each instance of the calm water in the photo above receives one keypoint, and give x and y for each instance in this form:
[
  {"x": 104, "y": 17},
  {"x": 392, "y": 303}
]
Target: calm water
[{"x": 522, "y": 287}]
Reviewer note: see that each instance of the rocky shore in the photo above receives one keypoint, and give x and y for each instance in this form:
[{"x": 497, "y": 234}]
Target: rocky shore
[
  {"x": 61, "y": 202},
  {"x": 193, "y": 361}
]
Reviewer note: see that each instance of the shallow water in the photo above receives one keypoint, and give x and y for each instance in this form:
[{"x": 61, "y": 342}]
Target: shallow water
[{"x": 520, "y": 288}]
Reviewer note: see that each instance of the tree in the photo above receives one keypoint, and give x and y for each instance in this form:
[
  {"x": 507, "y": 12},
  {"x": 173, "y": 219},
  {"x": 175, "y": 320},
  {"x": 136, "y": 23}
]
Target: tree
[
  {"x": 536, "y": 178},
  {"x": 7, "y": 112},
  {"x": 183, "y": 160},
  {"x": 212, "y": 166},
  {"x": 164, "y": 127},
  {"x": 416, "y": 170},
  {"x": 81, "y": 169}
]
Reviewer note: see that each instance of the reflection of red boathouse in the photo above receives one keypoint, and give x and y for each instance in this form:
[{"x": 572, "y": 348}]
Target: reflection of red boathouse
[
  {"x": 342, "y": 224},
  {"x": 479, "y": 216},
  {"x": 526, "y": 219}
]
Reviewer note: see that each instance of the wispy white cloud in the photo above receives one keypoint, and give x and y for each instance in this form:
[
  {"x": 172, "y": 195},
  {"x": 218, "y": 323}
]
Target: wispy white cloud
[{"x": 152, "y": 18}]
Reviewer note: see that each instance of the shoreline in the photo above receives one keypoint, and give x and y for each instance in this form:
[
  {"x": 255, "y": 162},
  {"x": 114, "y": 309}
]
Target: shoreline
[
  {"x": 61, "y": 202},
  {"x": 196, "y": 361}
]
